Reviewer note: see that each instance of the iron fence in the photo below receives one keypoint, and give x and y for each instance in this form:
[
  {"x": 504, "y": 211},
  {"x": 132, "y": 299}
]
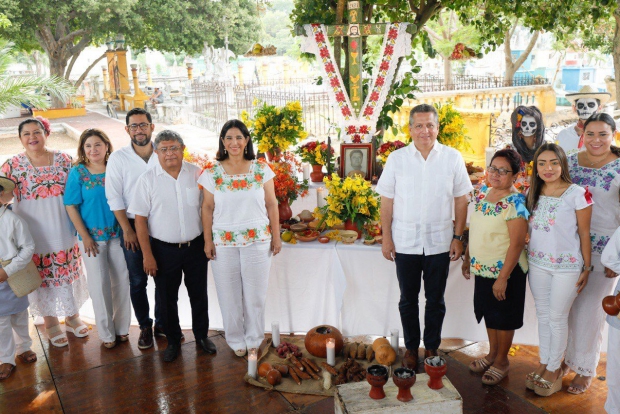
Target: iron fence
[
  {"x": 431, "y": 83},
  {"x": 210, "y": 100}
]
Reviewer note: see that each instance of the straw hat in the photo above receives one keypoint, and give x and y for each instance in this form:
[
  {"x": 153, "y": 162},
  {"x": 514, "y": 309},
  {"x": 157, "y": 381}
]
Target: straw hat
[
  {"x": 7, "y": 184},
  {"x": 587, "y": 92}
]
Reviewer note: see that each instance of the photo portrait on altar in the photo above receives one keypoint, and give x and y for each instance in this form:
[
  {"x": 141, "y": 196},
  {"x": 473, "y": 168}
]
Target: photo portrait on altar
[{"x": 355, "y": 159}]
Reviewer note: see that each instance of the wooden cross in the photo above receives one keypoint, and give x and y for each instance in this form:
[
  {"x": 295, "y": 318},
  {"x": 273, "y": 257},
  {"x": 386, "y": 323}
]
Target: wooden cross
[{"x": 355, "y": 30}]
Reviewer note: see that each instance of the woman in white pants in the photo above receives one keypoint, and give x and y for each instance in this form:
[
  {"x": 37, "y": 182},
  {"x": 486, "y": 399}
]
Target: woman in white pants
[
  {"x": 611, "y": 259},
  {"x": 559, "y": 258},
  {"x": 598, "y": 169},
  {"x": 241, "y": 231},
  {"x": 99, "y": 232}
]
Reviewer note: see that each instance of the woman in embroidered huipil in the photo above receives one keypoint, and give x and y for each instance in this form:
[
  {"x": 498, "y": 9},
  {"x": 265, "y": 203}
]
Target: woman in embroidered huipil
[
  {"x": 98, "y": 233},
  {"x": 495, "y": 255},
  {"x": 241, "y": 230},
  {"x": 597, "y": 169},
  {"x": 558, "y": 256},
  {"x": 40, "y": 175}
]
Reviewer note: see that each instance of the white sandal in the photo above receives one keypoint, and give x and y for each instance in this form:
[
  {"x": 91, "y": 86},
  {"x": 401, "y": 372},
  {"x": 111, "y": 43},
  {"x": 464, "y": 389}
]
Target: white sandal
[
  {"x": 75, "y": 330},
  {"x": 55, "y": 330}
]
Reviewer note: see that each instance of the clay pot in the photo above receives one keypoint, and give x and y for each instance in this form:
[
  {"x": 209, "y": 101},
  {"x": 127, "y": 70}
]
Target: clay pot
[
  {"x": 349, "y": 225},
  {"x": 316, "y": 176},
  {"x": 404, "y": 378},
  {"x": 284, "y": 211},
  {"x": 274, "y": 154},
  {"x": 316, "y": 340},
  {"x": 377, "y": 376},
  {"x": 611, "y": 305},
  {"x": 435, "y": 374}
]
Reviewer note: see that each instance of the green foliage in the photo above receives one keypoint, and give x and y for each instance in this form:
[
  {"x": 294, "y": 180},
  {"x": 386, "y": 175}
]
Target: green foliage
[{"x": 15, "y": 90}]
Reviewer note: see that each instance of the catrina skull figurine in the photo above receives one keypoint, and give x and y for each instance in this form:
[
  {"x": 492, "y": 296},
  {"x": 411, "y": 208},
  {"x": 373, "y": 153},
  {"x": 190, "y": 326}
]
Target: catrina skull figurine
[
  {"x": 586, "y": 107},
  {"x": 528, "y": 126}
]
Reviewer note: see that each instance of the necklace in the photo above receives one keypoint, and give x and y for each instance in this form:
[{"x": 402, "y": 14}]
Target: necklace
[
  {"x": 49, "y": 160},
  {"x": 548, "y": 192},
  {"x": 592, "y": 163}
]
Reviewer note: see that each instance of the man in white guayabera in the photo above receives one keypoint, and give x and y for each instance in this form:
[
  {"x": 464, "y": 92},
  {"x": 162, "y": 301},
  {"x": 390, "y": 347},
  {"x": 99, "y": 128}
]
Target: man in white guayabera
[{"x": 586, "y": 102}]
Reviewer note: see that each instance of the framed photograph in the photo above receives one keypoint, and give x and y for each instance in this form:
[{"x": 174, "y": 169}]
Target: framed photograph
[{"x": 356, "y": 159}]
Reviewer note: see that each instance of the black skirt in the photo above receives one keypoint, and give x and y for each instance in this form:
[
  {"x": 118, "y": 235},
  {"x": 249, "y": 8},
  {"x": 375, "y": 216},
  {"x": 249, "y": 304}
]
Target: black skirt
[{"x": 505, "y": 315}]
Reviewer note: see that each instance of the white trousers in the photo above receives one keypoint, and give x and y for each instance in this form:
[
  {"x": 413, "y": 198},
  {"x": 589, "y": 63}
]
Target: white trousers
[
  {"x": 241, "y": 276},
  {"x": 554, "y": 293},
  {"x": 108, "y": 284},
  {"x": 14, "y": 336},
  {"x": 612, "y": 405},
  {"x": 586, "y": 322}
]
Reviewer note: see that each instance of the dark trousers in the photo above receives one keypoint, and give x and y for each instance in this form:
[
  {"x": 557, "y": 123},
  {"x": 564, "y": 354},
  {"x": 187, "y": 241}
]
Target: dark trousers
[
  {"x": 174, "y": 264},
  {"x": 137, "y": 282},
  {"x": 410, "y": 270}
]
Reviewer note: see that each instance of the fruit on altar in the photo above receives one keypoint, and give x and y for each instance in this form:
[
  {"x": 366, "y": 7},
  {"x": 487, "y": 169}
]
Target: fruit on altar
[
  {"x": 361, "y": 351},
  {"x": 287, "y": 236},
  {"x": 370, "y": 353},
  {"x": 611, "y": 305},
  {"x": 353, "y": 350},
  {"x": 306, "y": 216},
  {"x": 316, "y": 340},
  {"x": 274, "y": 377},
  {"x": 385, "y": 355},
  {"x": 264, "y": 368},
  {"x": 378, "y": 342}
]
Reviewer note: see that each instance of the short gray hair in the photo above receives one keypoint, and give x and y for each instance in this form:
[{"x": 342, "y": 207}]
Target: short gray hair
[
  {"x": 167, "y": 135},
  {"x": 423, "y": 109}
]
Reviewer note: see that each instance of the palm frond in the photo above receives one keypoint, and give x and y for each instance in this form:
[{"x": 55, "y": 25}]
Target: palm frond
[{"x": 32, "y": 90}]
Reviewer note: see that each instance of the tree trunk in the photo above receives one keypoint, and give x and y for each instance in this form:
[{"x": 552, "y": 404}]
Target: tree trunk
[
  {"x": 616, "y": 54},
  {"x": 447, "y": 73},
  {"x": 57, "y": 68},
  {"x": 513, "y": 66},
  {"x": 36, "y": 56}
]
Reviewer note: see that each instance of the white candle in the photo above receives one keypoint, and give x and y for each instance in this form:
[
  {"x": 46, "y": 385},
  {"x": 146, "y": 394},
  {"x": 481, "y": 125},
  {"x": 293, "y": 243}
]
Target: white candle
[
  {"x": 320, "y": 200},
  {"x": 252, "y": 361},
  {"x": 275, "y": 333},
  {"x": 331, "y": 351},
  {"x": 306, "y": 170},
  {"x": 394, "y": 333}
]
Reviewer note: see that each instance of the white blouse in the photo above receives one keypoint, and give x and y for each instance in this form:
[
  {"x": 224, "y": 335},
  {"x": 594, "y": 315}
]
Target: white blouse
[
  {"x": 554, "y": 238},
  {"x": 240, "y": 214}
]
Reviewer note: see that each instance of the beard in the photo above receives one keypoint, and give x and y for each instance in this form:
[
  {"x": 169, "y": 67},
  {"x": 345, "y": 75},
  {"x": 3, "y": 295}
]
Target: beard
[{"x": 142, "y": 143}]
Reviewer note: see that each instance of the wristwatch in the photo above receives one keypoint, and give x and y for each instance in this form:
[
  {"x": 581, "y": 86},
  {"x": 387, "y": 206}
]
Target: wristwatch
[
  {"x": 459, "y": 238},
  {"x": 588, "y": 268}
]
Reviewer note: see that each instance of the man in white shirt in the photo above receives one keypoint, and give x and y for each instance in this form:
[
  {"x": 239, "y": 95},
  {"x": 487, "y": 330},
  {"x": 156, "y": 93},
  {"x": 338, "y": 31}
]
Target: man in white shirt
[
  {"x": 124, "y": 168},
  {"x": 167, "y": 204},
  {"x": 418, "y": 187},
  {"x": 586, "y": 102}
]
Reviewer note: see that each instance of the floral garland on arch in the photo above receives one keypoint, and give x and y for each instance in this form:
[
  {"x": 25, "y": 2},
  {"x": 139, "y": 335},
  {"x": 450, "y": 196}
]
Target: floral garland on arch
[{"x": 396, "y": 43}]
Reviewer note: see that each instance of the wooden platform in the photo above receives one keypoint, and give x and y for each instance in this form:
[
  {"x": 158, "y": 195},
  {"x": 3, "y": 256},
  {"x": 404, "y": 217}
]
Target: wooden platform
[{"x": 86, "y": 377}]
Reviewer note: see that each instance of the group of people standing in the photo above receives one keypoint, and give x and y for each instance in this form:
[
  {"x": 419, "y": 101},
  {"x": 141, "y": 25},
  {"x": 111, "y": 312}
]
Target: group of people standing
[
  {"x": 553, "y": 234},
  {"x": 138, "y": 212}
]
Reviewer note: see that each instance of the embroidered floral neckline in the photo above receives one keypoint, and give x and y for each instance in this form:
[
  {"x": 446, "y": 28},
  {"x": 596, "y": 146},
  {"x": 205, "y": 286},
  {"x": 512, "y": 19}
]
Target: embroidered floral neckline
[{"x": 236, "y": 175}]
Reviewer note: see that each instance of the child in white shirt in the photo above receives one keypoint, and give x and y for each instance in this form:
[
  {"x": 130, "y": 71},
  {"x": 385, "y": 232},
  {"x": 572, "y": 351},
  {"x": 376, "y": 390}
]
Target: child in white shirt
[{"x": 16, "y": 246}]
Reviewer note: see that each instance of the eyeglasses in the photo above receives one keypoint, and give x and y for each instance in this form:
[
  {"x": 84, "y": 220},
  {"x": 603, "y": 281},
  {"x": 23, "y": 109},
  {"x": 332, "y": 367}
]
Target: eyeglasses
[
  {"x": 500, "y": 171},
  {"x": 134, "y": 127},
  {"x": 166, "y": 150}
]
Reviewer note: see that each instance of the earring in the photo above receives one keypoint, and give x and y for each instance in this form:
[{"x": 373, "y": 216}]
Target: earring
[
  {"x": 245, "y": 151},
  {"x": 224, "y": 151},
  {"x": 107, "y": 155}
]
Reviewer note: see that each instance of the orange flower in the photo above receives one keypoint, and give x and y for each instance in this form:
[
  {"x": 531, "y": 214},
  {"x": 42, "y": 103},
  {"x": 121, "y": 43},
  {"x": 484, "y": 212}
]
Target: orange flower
[
  {"x": 251, "y": 233},
  {"x": 228, "y": 236},
  {"x": 235, "y": 184},
  {"x": 243, "y": 183},
  {"x": 258, "y": 177},
  {"x": 219, "y": 181}
]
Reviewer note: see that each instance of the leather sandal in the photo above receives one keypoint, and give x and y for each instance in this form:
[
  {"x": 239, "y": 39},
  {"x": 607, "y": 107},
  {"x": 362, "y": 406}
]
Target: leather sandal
[
  {"x": 530, "y": 380},
  {"x": 28, "y": 357},
  {"x": 580, "y": 388},
  {"x": 545, "y": 388},
  {"x": 479, "y": 365},
  {"x": 55, "y": 334},
  {"x": 6, "y": 370},
  {"x": 75, "y": 326},
  {"x": 493, "y": 376}
]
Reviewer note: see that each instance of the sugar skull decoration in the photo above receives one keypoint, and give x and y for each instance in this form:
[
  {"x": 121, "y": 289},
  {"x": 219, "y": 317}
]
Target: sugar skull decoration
[
  {"x": 528, "y": 131},
  {"x": 588, "y": 101}
]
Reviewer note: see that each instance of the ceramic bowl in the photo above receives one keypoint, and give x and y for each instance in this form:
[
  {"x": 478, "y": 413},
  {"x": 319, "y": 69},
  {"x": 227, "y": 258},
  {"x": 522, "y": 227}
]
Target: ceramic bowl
[
  {"x": 299, "y": 227},
  {"x": 369, "y": 242},
  {"x": 306, "y": 216},
  {"x": 307, "y": 235},
  {"x": 324, "y": 239},
  {"x": 348, "y": 236}
]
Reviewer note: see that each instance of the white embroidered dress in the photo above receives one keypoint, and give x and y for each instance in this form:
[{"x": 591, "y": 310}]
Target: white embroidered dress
[{"x": 39, "y": 201}]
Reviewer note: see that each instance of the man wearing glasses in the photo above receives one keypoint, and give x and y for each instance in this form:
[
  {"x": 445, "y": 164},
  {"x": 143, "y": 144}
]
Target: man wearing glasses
[
  {"x": 421, "y": 186},
  {"x": 124, "y": 168},
  {"x": 167, "y": 205}
]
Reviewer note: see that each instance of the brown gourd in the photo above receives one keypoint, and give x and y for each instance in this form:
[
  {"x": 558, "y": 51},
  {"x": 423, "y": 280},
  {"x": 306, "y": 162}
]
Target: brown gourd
[
  {"x": 385, "y": 355},
  {"x": 370, "y": 354},
  {"x": 361, "y": 351},
  {"x": 353, "y": 350},
  {"x": 378, "y": 342},
  {"x": 345, "y": 350}
]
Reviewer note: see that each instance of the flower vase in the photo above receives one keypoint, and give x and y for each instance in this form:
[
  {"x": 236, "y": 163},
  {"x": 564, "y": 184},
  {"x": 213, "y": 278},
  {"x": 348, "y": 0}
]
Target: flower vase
[
  {"x": 317, "y": 174},
  {"x": 274, "y": 155},
  {"x": 349, "y": 225},
  {"x": 284, "y": 211}
]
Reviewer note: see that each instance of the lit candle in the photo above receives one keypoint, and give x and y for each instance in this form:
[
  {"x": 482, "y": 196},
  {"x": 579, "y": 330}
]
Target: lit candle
[
  {"x": 394, "y": 333},
  {"x": 306, "y": 170},
  {"x": 252, "y": 361},
  {"x": 275, "y": 333},
  {"x": 331, "y": 351}
]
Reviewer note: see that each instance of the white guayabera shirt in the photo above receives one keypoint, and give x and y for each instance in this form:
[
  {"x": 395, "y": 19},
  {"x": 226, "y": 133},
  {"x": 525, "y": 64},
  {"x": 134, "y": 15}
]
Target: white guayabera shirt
[{"x": 423, "y": 193}]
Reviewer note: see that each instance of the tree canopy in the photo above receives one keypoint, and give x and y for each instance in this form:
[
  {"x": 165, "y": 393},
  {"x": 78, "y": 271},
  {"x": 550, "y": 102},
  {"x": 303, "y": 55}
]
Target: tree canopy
[{"x": 64, "y": 28}]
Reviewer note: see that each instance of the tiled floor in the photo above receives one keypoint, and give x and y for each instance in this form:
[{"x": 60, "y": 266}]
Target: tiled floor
[{"x": 86, "y": 377}]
